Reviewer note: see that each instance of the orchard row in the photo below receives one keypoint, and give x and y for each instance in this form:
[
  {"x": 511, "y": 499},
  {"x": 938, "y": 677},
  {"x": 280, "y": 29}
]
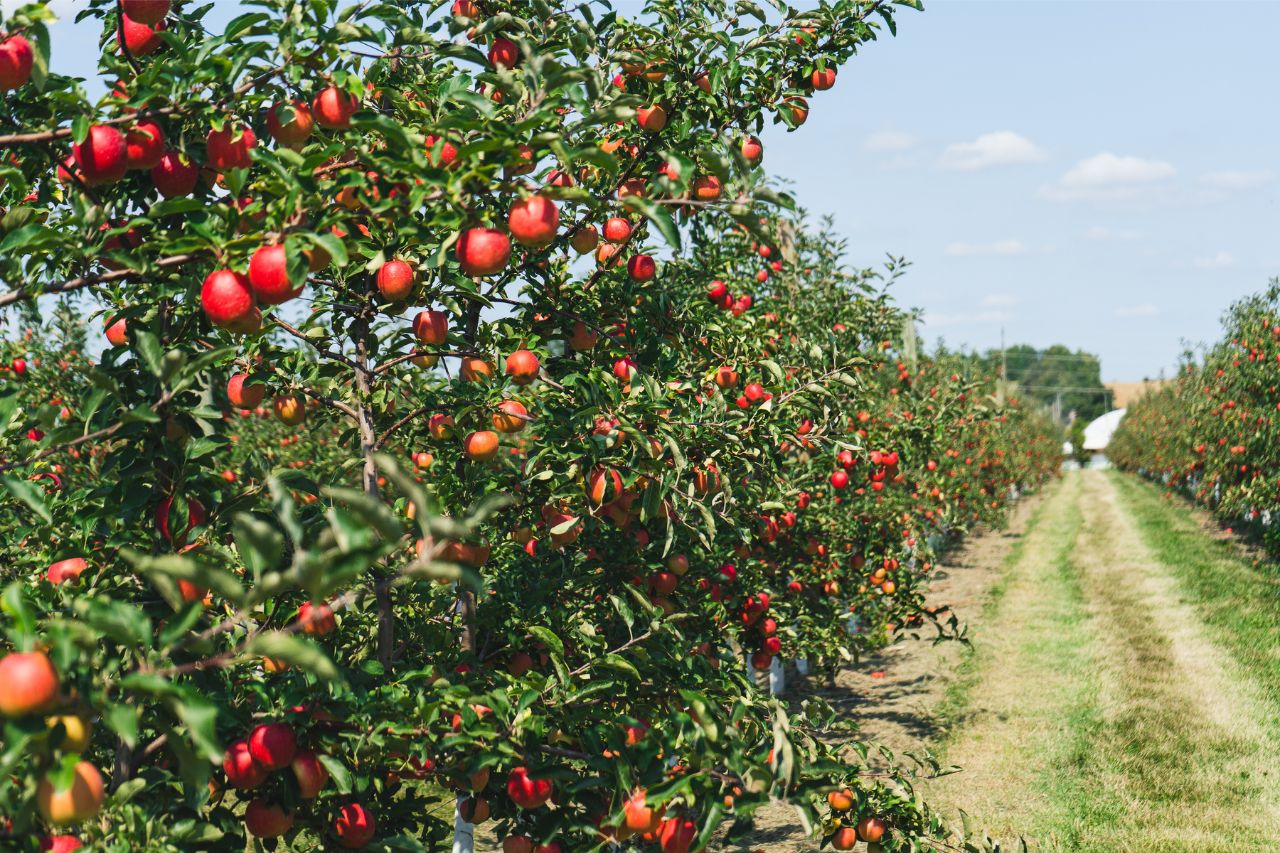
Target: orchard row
[{"x": 415, "y": 475}]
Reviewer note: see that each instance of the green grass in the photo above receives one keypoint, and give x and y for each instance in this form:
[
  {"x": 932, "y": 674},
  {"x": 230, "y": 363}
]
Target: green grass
[{"x": 1239, "y": 602}]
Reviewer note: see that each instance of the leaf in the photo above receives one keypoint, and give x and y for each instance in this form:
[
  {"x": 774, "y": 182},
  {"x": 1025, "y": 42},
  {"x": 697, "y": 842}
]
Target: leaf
[
  {"x": 658, "y": 215},
  {"x": 548, "y": 638},
  {"x": 123, "y": 720},
  {"x": 191, "y": 567},
  {"x": 15, "y": 604},
  {"x": 149, "y": 351},
  {"x": 260, "y": 545},
  {"x": 338, "y": 772},
  {"x": 375, "y": 513},
  {"x": 295, "y": 651},
  {"x": 29, "y": 495}
]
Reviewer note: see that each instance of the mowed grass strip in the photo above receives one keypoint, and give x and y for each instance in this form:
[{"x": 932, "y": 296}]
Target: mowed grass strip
[{"x": 1024, "y": 714}]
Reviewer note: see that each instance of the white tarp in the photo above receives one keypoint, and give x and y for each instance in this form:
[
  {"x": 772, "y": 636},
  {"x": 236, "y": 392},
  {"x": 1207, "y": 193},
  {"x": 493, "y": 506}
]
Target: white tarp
[{"x": 1097, "y": 435}]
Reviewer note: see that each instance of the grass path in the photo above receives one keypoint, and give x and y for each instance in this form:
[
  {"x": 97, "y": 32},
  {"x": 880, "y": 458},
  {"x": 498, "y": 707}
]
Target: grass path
[{"x": 1124, "y": 691}]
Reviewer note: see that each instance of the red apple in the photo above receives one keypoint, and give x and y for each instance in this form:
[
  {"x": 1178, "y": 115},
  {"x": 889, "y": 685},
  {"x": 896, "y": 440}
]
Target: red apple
[
  {"x": 229, "y": 148},
  {"x": 149, "y": 12},
  {"x": 395, "y": 281},
  {"x": 483, "y": 251},
  {"x": 117, "y": 332},
  {"x": 290, "y": 123},
  {"x": 103, "y": 156},
  {"x": 533, "y": 220},
  {"x": 227, "y": 298},
  {"x": 752, "y": 150},
  {"x": 823, "y": 79},
  {"x": 16, "y": 61},
  {"x": 242, "y": 770},
  {"x": 354, "y": 826},
  {"x": 311, "y": 774},
  {"x": 273, "y": 745},
  {"x": 244, "y": 395},
  {"x": 503, "y": 53},
  {"x": 617, "y": 229},
  {"x": 69, "y": 569},
  {"x": 267, "y": 820},
  {"x": 525, "y": 791},
  {"x": 269, "y": 276},
  {"x": 144, "y": 145},
  {"x": 174, "y": 175},
  {"x": 641, "y": 268},
  {"x": 522, "y": 366},
  {"x": 28, "y": 684},
  {"x": 677, "y": 835},
  {"x": 333, "y": 108},
  {"x": 139, "y": 38},
  {"x": 652, "y": 118}
]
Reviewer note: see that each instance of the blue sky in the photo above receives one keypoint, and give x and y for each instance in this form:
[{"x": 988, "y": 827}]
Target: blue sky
[{"x": 1099, "y": 174}]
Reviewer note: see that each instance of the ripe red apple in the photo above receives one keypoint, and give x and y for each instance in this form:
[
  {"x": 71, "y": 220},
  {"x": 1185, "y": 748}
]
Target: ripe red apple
[
  {"x": 273, "y": 745},
  {"x": 522, "y": 366},
  {"x": 60, "y": 844},
  {"x": 149, "y": 12},
  {"x": 395, "y": 281},
  {"x": 28, "y": 684},
  {"x": 267, "y": 820},
  {"x": 604, "y": 485},
  {"x": 448, "y": 151},
  {"x": 844, "y": 839},
  {"x": 871, "y": 829},
  {"x": 481, "y": 446},
  {"x": 139, "y": 38},
  {"x": 103, "y": 156},
  {"x": 316, "y": 620},
  {"x": 334, "y": 107},
  {"x": 638, "y": 815},
  {"x": 311, "y": 774},
  {"x": 839, "y": 478},
  {"x": 617, "y": 229},
  {"x": 174, "y": 175},
  {"x": 242, "y": 770},
  {"x": 584, "y": 239},
  {"x": 652, "y": 118},
  {"x": 431, "y": 327},
  {"x": 533, "y": 220},
  {"x": 483, "y": 251},
  {"x": 503, "y": 53},
  {"x": 752, "y": 150},
  {"x": 677, "y": 835},
  {"x": 525, "y": 791},
  {"x": 227, "y": 298},
  {"x": 144, "y": 145},
  {"x": 117, "y": 332},
  {"x": 77, "y": 803},
  {"x": 823, "y": 79},
  {"x": 229, "y": 148},
  {"x": 354, "y": 826},
  {"x": 517, "y": 844},
  {"x": 269, "y": 276},
  {"x": 16, "y": 61},
  {"x": 290, "y": 123},
  {"x": 69, "y": 569},
  {"x": 641, "y": 268},
  {"x": 244, "y": 395}
]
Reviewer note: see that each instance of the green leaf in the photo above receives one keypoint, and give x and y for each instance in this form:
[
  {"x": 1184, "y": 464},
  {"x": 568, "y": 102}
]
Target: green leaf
[
  {"x": 260, "y": 545},
  {"x": 295, "y": 651},
  {"x": 29, "y": 495},
  {"x": 338, "y": 772},
  {"x": 193, "y": 567},
  {"x": 658, "y": 215},
  {"x": 149, "y": 351}
]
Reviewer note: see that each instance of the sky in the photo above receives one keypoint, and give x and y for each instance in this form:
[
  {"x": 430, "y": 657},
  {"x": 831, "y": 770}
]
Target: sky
[{"x": 1098, "y": 174}]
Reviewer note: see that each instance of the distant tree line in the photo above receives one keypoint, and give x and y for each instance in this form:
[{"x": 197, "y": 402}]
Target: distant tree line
[{"x": 1057, "y": 378}]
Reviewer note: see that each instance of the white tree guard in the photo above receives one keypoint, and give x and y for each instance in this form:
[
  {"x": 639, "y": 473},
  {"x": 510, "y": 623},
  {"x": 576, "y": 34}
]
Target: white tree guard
[{"x": 464, "y": 834}]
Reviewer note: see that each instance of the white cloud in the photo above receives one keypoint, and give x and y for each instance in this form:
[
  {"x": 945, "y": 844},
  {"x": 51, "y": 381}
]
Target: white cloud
[
  {"x": 1238, "y": 180},
  {"x": 1218, "y": 261},
  {"x": 1146, "y": 309},
  {"x": 966, "y": 318},
  {"x": 1001, "y": 148},
  {"x": 1109, "y": 177},
  {"x": 889, "y": 142},
  {"x": 1000, "y": 247},
  {"x": 1097, "y": 232}
]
